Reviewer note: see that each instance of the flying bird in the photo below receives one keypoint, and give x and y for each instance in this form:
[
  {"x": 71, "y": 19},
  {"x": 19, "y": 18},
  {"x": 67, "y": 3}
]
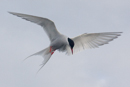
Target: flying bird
[{"x": 63, "y": 43}]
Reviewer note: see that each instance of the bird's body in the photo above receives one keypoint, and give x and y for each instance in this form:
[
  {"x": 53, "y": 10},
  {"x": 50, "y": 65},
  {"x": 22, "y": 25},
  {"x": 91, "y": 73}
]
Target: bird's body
[
  {"x": 61, "y": 40},
  {"x": 63, "y": 43}
]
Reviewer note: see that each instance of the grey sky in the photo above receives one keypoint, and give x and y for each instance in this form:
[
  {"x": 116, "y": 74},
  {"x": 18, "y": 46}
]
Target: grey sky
[{"x": 106, "y": 66}]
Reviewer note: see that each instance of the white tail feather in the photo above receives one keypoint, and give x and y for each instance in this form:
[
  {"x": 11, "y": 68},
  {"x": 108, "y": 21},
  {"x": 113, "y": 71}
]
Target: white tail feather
[{"x": 45, "y": 54}]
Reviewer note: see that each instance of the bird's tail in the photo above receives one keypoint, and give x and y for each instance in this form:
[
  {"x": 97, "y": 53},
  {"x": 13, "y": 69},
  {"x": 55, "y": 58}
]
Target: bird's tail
[{"x": 45, "y": 53}]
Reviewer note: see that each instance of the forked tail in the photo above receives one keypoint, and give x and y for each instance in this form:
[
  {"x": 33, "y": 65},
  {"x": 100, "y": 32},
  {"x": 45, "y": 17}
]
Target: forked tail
[{"x": 45, "y": 53}]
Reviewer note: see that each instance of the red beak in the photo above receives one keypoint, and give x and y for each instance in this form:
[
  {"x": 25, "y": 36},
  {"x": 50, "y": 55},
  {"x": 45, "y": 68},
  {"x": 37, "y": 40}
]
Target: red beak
[{"x": 72, "y": 51}]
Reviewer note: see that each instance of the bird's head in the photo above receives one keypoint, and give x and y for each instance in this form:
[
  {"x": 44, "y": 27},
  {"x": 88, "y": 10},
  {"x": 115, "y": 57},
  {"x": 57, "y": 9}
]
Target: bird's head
[{"x": 71, "y": 44}]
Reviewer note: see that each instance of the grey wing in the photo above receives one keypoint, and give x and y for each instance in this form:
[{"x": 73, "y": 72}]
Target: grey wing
[
  {"x": 47, "y": 24},
  {"x": 93, "y": 40}
]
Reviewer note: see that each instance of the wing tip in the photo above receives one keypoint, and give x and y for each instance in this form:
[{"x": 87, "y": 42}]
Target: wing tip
[
  {"x": 11, "y": 12},
  {"x": 14, "y": 13}
]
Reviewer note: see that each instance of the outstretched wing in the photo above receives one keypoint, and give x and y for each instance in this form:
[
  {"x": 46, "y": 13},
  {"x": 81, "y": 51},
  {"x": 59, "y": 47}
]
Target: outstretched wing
[
  {"x": 47, "y": 24},
  {"x": 93, "y": 40}
]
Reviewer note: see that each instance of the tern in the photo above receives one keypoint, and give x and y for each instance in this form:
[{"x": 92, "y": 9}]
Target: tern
[{"x": 63, "y": 43}]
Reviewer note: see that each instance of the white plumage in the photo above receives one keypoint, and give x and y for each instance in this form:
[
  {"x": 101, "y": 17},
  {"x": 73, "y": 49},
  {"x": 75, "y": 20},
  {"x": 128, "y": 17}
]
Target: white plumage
[{"x": 63, "y": 43}]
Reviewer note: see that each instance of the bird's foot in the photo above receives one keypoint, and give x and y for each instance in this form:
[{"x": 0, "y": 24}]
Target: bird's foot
[{"x": 52, "y": 52}]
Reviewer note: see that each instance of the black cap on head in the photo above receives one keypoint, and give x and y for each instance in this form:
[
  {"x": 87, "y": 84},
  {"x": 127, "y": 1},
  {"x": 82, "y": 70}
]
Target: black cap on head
[{"x": 71, "y": 43}]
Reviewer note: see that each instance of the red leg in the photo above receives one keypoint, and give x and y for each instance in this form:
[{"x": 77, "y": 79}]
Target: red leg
[
  {"x": 52, "y": 52},
  {"x": 50, "y": 48}
]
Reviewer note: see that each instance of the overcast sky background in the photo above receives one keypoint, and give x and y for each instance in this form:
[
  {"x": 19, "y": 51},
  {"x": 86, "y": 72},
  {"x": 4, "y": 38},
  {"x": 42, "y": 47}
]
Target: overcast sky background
[{"x": 106, "y": 66}]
